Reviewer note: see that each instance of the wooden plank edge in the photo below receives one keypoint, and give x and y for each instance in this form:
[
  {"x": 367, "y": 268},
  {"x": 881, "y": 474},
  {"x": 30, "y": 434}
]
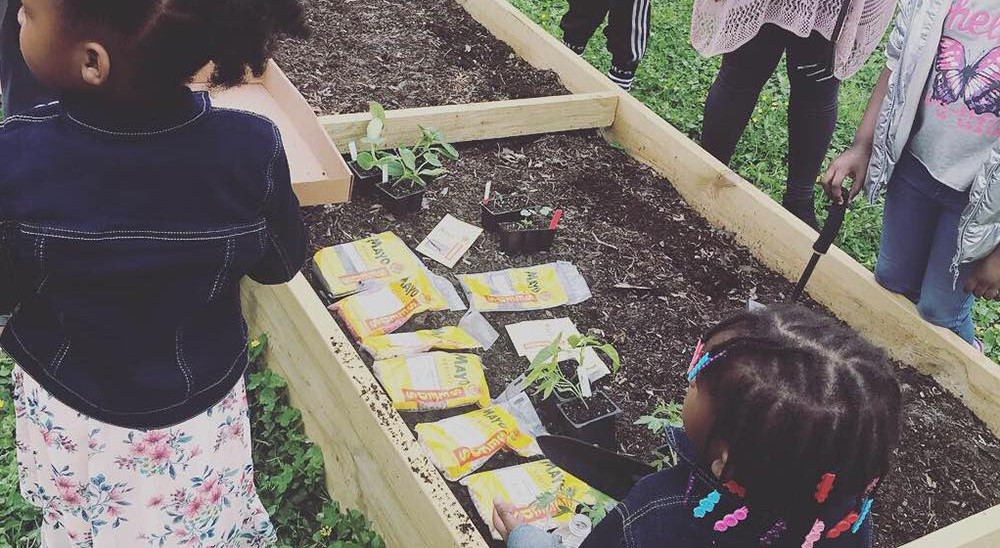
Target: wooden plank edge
[
  {"x": 479, "y": 121},
  {"x": 373, "y": 463},
  {"x": 978, "y": 531}
]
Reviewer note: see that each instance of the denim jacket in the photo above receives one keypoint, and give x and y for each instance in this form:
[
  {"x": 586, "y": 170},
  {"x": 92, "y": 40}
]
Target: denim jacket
[
  {"x": 911, "y": 51},
  {"x": 658, "y": 512},
  {"x": 124, "y": 240}
]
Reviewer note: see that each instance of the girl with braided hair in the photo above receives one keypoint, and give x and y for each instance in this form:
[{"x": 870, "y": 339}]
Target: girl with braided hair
[
  {"x": 132, "y": 208},
  {"x": 789, "y": 426}
]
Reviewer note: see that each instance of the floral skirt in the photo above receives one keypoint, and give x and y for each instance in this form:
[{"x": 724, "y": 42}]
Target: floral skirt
[{"x": 103, "y": 486}]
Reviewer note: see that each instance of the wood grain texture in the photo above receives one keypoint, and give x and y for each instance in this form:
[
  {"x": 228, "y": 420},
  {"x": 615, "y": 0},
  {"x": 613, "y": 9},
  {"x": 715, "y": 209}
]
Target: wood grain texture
[{"x": 478, "y": 121}]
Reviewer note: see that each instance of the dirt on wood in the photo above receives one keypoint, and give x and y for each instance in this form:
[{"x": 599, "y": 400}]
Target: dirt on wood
[
  {"x": 624, "y": 225},
  {"x": 404, "y": 54}
]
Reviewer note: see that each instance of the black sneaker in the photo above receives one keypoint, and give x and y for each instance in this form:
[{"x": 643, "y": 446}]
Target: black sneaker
[
  {"x": 575, "y": 49},
  {"x": 622, "y": 77},
  {"x": 803, "y": 209}
]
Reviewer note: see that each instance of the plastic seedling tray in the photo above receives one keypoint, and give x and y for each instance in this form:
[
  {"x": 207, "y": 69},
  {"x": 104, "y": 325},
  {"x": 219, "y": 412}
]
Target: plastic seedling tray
[
  {"x": 409, "y": 202},
  {"x": 492, "y": 216},
  {"x": 515, "y": 240},
  {"x": 319, "y": 174},
  {"x": 364, "y": 181},
  {"x": 597, "y": 424}
]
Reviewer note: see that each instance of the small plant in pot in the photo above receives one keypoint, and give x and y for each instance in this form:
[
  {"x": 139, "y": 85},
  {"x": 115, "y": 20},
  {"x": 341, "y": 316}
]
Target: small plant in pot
[
  {"x": 588, "y": 414},
  {"x": 502, "y": 208},
  {"x": 534, "y": 232},
  {"x": 409, "y": 170},
  {"x": 364, "y": 165}
]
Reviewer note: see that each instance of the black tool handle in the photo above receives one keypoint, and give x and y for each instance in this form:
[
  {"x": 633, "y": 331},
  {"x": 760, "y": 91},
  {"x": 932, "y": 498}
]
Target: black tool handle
[{"x": 830, "y": 230}]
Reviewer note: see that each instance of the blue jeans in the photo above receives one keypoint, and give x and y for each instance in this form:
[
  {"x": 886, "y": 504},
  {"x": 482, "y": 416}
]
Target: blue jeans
[
  {"x": 919, "y": 241},
  {"x": 529, "y": 536}
]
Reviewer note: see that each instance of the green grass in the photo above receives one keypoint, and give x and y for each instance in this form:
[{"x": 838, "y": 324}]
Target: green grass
[
  {"x": 674, "y": 80},
  {"x": 289, "y": 473}
]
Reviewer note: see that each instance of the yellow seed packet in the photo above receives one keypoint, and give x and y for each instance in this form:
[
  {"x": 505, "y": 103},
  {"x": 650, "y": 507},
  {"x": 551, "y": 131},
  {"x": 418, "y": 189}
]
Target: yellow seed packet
[
  {"x": 351, "y": 267},
  {"x": 460, "y": 445},
  {"x": 544, "y": 494},
  {"x": 531, "y": 288},
  {"x": 436, "y": 380},
  {"x": 384, "y": 309},
  {"x": 472, "y": 332}
]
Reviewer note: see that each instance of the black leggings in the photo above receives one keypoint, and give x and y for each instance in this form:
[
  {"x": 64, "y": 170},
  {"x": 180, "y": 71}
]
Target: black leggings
[{"x": 812, "y": 108}]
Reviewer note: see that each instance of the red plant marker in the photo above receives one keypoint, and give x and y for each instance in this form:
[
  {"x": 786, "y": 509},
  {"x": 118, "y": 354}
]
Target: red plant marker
[
  {"x": 556, "y": 217},
  {"x": 486, "y": 194}
]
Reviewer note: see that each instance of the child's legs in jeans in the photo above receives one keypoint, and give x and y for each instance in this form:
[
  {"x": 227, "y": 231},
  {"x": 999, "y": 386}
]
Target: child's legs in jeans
[
  {"x": 737, "y": 87},
  {"x": 582, "y": 20},
  {"x": 919, "y": 239}
]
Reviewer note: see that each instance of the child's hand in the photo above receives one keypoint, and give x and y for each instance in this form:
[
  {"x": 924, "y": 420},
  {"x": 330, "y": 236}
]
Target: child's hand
[
  {"x": 506, "y": 518},
  {"x": 985, "y": 279},
  {"x": 852, "y": 163}
]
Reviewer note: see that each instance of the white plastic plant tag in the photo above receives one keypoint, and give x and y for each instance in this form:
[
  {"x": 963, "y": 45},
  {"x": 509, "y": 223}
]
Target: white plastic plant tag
[
  {"x": 449, "y": 241},
  {"x": 584, "y": 376},
  {"x": 513, "y": 390},
  {"x": 353, "y": 146},
  {"x": 385, "y": 174}
]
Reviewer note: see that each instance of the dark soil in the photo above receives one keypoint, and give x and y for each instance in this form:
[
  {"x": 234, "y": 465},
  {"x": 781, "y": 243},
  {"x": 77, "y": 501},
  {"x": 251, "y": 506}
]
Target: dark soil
[
  {"x": 507, "y": 203},
  {"x": 625, "y": 225},
  {"x": 404, "y": 54},
  {"x": 580, "y": 413}
]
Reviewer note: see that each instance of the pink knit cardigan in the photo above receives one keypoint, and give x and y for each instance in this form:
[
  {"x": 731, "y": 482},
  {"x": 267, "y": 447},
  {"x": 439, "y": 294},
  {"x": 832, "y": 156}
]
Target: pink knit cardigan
[{"x": 721, "y": 26}]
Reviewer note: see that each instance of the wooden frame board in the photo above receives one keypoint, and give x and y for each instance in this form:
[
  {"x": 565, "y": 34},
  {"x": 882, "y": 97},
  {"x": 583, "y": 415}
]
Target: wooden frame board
[
  {"x": 492, "y": 120},
  {"x": 372, "y": 459},
  {"x": 319, "y": 173}
]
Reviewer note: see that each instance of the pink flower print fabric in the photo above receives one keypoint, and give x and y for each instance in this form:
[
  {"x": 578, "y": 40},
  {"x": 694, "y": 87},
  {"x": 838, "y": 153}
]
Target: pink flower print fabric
[{"x": 102, "y": 486}]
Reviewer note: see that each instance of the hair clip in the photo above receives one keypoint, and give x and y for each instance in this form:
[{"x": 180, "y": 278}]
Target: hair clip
[
  {"x": 707, "y": 504},
  {"x": 825, "y": 486},
  {"x": 732, "y": 520},
  {"x": 843, "y": 526},
  {"x": 735, "y": 488},
  {"x": 866, "y": 508},
  {"x": 773, "y": 533},
  {"x": 815, "y": 534},
  {"x": 702, "y": 364},
  {"x": 872, "y": 486},
  {"x": 699, "y": 351}
]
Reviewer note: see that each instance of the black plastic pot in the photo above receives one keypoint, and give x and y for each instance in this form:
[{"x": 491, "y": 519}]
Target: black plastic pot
[
  {"x": 491, "y": 219},
  {"x": 515, "y": 240},
  {"x": 409, "y": 202},
  {"x": 598, "y": 429},
  {"x": 364, "y": 181}
]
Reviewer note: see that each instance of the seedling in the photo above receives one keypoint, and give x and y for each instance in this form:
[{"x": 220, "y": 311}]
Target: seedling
[
  {"x": 545, "y": 375},
  {"x": 411, "y": 168},
  {"x": 535, "y": 219},
  {"x": 369, "y": 159},
  {"x": 664, "y": 415}
]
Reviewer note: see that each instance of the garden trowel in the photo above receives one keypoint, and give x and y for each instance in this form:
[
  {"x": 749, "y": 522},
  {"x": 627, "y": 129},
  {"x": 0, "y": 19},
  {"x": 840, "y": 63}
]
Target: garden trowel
[
  {"x": 830, "y": 230},
  {"x": 608, "y": 472}
]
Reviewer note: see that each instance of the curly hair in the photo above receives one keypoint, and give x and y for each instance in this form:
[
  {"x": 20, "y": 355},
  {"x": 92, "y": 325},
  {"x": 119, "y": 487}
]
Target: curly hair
[
  {"x": 798, "y": 398},
  {"x": 169, "y": 41}
]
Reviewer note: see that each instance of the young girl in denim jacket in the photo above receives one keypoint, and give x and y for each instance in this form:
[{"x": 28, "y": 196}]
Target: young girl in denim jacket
[
  {"x": 132, "y": 209},
  {"x": 789, "y": 425},
  {"x": 930, "y": 139}
]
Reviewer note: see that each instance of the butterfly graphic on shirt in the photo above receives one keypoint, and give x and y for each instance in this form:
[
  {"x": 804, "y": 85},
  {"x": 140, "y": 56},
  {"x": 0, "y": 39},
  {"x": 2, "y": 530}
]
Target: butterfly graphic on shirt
[{"x": 978, "y": 85}]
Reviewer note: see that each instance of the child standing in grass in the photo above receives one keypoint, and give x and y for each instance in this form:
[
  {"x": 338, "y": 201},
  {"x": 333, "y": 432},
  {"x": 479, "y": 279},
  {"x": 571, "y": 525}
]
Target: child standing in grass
[
  {"x": 930, "y": 139},
  {"x": 627, "y": 32},
  {"x": 789, "y": 425},
  {"x": 826, "y": 42},
  {"x": 132, "y": 208}
]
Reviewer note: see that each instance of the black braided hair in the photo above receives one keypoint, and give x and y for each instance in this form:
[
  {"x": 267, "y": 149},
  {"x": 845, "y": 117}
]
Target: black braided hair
[
  {"x": 796, "y": 395},
  {"x": 169, "y": 41}
]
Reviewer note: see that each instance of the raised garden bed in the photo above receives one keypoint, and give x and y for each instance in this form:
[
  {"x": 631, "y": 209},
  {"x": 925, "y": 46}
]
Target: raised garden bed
[{"x": 332, "y": 380}]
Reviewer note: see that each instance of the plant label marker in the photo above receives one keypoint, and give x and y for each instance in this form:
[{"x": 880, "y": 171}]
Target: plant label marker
[
  {"x": 584, "y": 375},
  {"x": 486, "y": 194},
  {"x": 449, "y": 241},
  {"x": 353, "y": 146},
  {"x": 385, "y": 174},
  {"x": 556, "y": 217}
]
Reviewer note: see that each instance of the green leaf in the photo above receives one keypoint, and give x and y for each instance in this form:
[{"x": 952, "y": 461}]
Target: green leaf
[
  {"x": 395, "y": 167},
  {"x": 376, "y": 110},
  {"x": 366, "y": 160},
  {"x": 433, "y": 172},
  {"x": 409, "y": 159},
  {"x": 450, "y": 151},
  {"x": 432, "y": 159},
  {"x": 375, "y": 130}
]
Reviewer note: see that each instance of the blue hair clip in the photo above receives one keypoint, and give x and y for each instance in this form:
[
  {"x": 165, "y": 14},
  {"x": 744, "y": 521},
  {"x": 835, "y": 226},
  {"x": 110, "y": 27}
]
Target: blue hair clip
[
  {"x": 704, "y": 362},
  {"x": 866, "y": 508},
  {"x": 707, "y": 504}
]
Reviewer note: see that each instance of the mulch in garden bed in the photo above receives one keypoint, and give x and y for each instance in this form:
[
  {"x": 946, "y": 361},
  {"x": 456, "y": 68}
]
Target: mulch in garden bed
[
  {"x": 404, "y": 54},
  {"x": 625, "y": 225}
]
